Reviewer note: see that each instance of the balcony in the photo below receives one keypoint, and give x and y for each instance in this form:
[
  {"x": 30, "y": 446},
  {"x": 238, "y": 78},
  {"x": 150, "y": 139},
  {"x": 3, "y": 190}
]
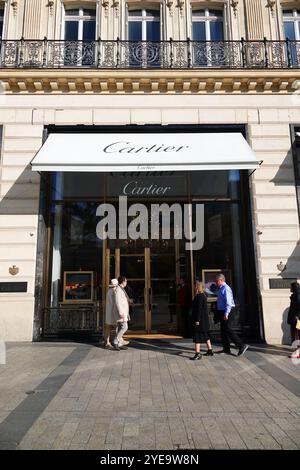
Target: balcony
[{"x": 118, "y": 54}]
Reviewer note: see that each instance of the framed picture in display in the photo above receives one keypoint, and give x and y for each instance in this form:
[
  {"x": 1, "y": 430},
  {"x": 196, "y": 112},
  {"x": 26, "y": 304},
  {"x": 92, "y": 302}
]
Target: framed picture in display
[
  {"x": 78, "y": 286},
  {"x": 209, "y": 280}
]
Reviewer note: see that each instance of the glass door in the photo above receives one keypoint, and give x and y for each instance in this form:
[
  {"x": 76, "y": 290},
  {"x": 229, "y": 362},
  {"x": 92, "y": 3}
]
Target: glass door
[
  {"x": 152, "y": 282},
  {"x": 133, "y": 265}
]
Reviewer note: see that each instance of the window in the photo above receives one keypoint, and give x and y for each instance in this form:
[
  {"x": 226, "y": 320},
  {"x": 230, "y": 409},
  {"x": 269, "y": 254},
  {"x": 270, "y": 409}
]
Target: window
[
  {"x": 207, "y": 25},
  {"x": 1, "y": 20},
  {"x": 291, "y": 23},
  {"x": 80, "y": 27},
  {"x": 80, "y": 24},
  {"x": 143, "y": 25}
]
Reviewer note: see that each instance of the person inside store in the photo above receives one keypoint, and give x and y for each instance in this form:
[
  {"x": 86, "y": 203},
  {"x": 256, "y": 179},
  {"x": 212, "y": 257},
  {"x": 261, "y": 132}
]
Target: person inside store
[{"x": 200, "y": 322}]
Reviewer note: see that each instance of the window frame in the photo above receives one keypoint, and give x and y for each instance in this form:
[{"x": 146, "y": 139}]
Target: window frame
[
  {"x": 295, "y": 18},
  {"x": 81, "y": 18},
  {"x": 144, "y": 20},
  {"x": 2, "y": 17},
  {"x": 207, "y": 19}
]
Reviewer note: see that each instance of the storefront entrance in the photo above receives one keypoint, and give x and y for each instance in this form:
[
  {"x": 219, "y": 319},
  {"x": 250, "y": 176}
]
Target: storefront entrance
[
  {"x": 160, "y": 267},
  {"x": 153, "y": 277}
]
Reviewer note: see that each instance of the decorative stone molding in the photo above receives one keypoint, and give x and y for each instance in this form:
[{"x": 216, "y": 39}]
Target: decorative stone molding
[
  {"x": 180, "y": 5},
  {"x": 105, "y": 5},
  {"x": 271, "y": 4},
  {"x": 14, "y": 5},
  {"x": 234, "y": 5},
  {"x": 169, "y": 4},
  {"x": 116, "y": 7},
  {"x": 151, "y": 82},
  {"x": 50, "y": 5}
]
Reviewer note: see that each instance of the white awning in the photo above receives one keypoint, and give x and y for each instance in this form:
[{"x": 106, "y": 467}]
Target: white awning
[{"x": 144, "y": 152}]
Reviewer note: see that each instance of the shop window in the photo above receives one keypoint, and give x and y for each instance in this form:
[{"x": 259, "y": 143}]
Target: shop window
[
  {"x": 79, "y": 32},
  {"x": 291, "y": 24},
  {"x": 144, "y": 25}
]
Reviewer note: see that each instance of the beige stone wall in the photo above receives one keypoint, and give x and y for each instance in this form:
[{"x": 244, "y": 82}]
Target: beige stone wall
[
  {"x": 252, "y": 19},
  {"x": 274, "y": 198}
]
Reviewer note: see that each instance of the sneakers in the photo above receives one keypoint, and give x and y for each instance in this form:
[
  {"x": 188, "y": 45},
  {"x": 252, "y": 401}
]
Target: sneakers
[
  {"x": 242, "y": 350},
  {"x": 125, "y": 343},
  {"x": 108, "y": 346},
  {"x": 196, "y": 357}
]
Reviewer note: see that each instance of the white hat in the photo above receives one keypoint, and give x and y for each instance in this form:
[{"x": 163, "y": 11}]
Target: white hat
[{"x": 114, "y": 282}]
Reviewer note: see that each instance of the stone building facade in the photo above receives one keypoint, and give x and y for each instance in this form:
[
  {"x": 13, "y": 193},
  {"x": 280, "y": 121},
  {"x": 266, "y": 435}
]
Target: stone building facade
[{"x": 188, "y": 65}]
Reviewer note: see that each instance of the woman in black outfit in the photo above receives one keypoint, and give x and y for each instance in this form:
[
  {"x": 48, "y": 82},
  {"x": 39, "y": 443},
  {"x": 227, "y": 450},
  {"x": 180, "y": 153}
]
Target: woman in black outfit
[
  {"x": 200, "y": 322},
  {"x": 294, "y": 311}
]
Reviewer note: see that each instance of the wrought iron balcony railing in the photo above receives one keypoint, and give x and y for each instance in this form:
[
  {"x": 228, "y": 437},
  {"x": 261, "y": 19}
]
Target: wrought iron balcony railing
[{"x": 170, "y": 54}]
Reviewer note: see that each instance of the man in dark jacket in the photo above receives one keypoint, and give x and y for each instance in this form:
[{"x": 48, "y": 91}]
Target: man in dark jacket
[{"x": 294, "y": 311}]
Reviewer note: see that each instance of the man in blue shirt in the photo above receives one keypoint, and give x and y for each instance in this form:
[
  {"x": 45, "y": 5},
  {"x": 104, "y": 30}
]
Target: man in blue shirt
[{"x": 225, "y": 303}]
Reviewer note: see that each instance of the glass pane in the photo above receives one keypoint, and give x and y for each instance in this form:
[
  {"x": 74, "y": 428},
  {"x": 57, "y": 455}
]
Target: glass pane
[
  {"x": 71, "y": 30},
  {"x": 135, "y": 291},
  {"x": 154, "y": 13},
  {"x": 198, "y": 13},
  {"x": 199, "y": 31},
  {"x": 218, "y": 13},
  {"x": 89, "y": 12},
  {"x": 289, "y": 30},
  {"x": 153, "y": 31},
  {"x": 164, "y": 305},
  {"x": 74, "y": 12},
  {"x": 135, "y": 13},
  {"x": 78, "y": 185},
  {"x": 209, "y": 184},
  {"x": 216, "y": 31},
  {"x": 287, "y": 13},
  {"x": 133, "y": 267},
  {"x": 1, "y": 27},
  {"x": 135, "y": 31},
  {"x": 89, "y": 30}
]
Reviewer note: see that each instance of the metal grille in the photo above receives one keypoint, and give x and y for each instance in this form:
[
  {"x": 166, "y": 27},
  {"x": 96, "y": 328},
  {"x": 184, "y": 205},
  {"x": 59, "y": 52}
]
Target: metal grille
[
  {"x": 146, "y": 54},
  {"x": 68, "y": 319}
]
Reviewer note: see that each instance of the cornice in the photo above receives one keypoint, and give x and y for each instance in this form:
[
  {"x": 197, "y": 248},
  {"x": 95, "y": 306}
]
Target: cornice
[{"x": 22, "y": 81}]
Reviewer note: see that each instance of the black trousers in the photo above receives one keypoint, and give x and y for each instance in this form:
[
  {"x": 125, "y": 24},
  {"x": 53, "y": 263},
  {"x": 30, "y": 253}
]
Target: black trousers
[{"x": 227, "y": 333}]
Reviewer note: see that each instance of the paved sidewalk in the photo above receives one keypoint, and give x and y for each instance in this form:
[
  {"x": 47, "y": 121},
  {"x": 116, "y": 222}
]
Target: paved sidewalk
[{"x": 78, "y": 396}]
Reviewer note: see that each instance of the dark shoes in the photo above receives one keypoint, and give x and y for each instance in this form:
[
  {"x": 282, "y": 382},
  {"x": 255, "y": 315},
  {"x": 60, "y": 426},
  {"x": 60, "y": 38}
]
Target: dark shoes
[
  {"x": 209, "y": 352},
  {"x": 196, "y": 357},
  {"x": 242, "y": 350},
  {"x": 119, "y": 348},
  {"x": 224, "y": 351}
]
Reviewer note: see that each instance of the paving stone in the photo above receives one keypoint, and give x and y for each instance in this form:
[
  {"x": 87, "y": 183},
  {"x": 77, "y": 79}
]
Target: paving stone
[{"x": 89, "y": 398}]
